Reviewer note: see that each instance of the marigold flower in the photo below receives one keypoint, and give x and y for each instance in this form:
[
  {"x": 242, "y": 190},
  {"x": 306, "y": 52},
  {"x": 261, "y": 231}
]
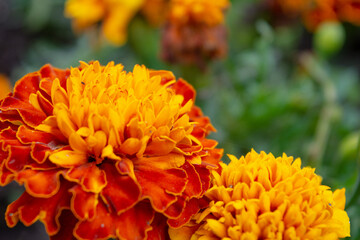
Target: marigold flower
[
  {"x": 4, "y": 86},
  {"x": 103, "y": 153},
  {"x": 209, "y": 12},
  {"x": 114, "y": 14},
  {"x": 194, "y": 32},
  {"x": 262, "y": 197}
]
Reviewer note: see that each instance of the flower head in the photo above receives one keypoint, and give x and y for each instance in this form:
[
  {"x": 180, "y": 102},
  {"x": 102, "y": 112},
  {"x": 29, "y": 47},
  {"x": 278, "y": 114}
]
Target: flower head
[
  {"x": 195, "y": 32},
  {"x": 115, "y": 16},
  {"x": 104, "y": 153},
  {"x": 262, "y": 197},
  {"x": 209, "y": 12}
]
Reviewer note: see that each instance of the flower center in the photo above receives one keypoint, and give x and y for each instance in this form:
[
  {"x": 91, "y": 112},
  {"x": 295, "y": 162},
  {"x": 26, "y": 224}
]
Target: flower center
[{"x": 108, "y": 113}]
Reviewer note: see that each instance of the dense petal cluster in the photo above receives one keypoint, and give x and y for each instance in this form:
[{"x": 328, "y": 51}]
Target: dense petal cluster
[
  {"x": 4, "y": 86},
  {"x": 209, "y": 12},
  {"x": 262, "y": 197},
  {"x": 314, "y": 12},
  {"x": 105, "y": 153},
  {"x": 195, "y": 31},
  {"x": 115, "y": 16}
]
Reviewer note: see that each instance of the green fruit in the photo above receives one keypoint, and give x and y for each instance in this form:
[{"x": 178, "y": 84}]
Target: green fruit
[{"x": 329, "y": 38}]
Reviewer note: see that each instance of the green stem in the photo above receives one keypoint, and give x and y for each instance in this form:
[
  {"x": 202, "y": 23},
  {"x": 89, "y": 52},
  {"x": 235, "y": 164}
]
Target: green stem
[{"x": 320, "y": 76}]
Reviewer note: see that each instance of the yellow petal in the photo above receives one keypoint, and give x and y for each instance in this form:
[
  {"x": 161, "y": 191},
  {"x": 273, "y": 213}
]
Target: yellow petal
[{"x": 68, "y": 158}]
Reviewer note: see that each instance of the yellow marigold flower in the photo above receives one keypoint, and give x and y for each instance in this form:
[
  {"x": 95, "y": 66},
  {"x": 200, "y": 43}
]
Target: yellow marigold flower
[
  {"x": 209, "y": 12},
  {"x": 105, "y": 153},
  {"x": 4, "y": 86},
  {"x": 114, "y": 14},
  {"x": 262, "y": 197}
]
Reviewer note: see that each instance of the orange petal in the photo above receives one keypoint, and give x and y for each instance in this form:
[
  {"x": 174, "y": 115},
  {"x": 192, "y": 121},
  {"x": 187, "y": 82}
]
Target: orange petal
[
  {"x": 160, "y": 186},
  {"x": 193, "y": 186},
  {"x": 130, "y": 146},
  {"x": 29, "y": 209},
  {"x": 89, "y": 176},
  {"x": 121, "y": 191},
  {"x": 26, "y": 136},
  {"x": 171, "y": 160},
  {"x": 67, "y": 222},
  {"x": 83, "y": 203},
  {"x": 192, "y": 207},
  {"x": 68, "y": 158},
  {"x": 132, "y": 224},
  {"x": 160, "y": 146},
  {"x": 159, "y": 228},
  {"x": 29, "y": 115},
  {"x": 40, "y": 183},
  {"x": 27, "y": 85},
  {"x": 183, "y": 88}
]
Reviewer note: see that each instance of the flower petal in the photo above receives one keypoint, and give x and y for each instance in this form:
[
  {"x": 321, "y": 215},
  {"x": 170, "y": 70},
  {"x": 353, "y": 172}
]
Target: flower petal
[
  {"x": 83, "y": 203},
  {"x": 121, "y": 191},
  {"x": 40, "y": 183},
  {"x": 29, "y": 209},
  {"x": 171, "y": 160},
  {"x": 68, "y": 158},
  {"x": 132, "y": 224},
  {"x": 29, "y": 115},
  {"x": 89, "y": 176},
  {"x": 192, "y": 207},
  {"x": 161, "y": 193},
  {"x": 67, "y": 222}
]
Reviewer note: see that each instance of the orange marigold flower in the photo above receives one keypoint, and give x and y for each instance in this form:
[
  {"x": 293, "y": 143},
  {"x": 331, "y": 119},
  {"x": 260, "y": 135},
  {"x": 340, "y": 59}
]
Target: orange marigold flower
[
  {"x": 262, "y": 197},
  {"x": 104, "y": 153},
  {"x": 194, "y": 32},
  {"x": 4, "y": 86},
  {"x": 209, "y": 12},
  {"x": 114, "y": 14}
]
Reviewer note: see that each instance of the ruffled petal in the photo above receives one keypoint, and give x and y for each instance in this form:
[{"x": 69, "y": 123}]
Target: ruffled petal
[
  {"x": 132, "y": 224},
  {"x": 89, "y": 176},
  {"x": 27, "y": 136},
  {"x": 192, "y": 207},
  {"x": 28, "y": 114},
  {"x": 29, "y": 209},
  {"x": 83, "y": 203},
  {"x": 40, "y": 183},
  {"x": 121, "y": 191},
  {"x": 183, "y": 88},
  {"x": 159, "y": 228},
  {"x": 161, "y": 193},
  {"x": 67, "y": 222},
  {"x": 27, "y": 85}
]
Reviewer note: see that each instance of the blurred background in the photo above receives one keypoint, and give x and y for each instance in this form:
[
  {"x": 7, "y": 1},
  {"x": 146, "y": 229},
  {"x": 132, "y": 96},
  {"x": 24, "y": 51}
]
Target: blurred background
[{"x": 281, "y": 87}]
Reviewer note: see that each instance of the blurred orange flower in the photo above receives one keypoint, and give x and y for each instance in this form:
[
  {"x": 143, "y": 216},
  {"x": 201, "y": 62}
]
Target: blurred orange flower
[
  {"x": 5, "y": 88},
  {"x": 262, "y": 197},
  {"x": 155, "y": 11},
  {"x": 209, "y": 12},
  {"x": 115, "y": 16},
  {"x": 349, "y": 11},
  {"x": 195, "y": 32},
  {"x": 104, "y": 153}
]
